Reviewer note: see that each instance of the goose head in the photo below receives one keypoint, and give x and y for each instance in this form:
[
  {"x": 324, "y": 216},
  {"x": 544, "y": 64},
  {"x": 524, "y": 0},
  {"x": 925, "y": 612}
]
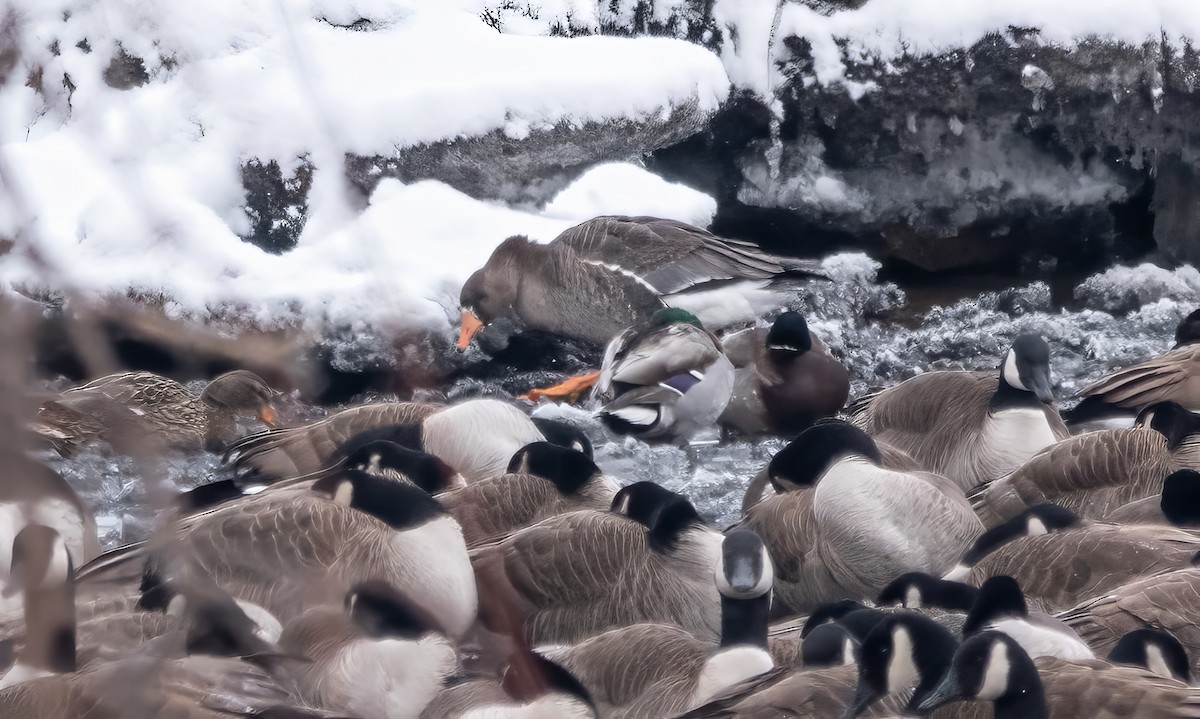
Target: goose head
[
  {"x": 1181, "y": 498},
  {"x": 642, "y": 501},
  {"x": 401, "y": 506},
  {"x": 242, "y": 393},
  {"x": 906, "y": 652},
  {"x": 1154, "y": 650},
  {"x": 492, "y": 292},
  {"x": 805, "y": 459},
  {"x": 788, "y": 336},
  {"x": 1188, "y": 330},
  {"x": 1038, "y": 519},
  {"x": 1172, "y": 420},
  {"x": 828, "y": 645},
  {"x": 390, "y": 460},
  {"x": 1027, "y": 367},
  {"x": 918, "y": 589},
  {"x": 991, "y": 666},
  {"x": 569, "y": 470}
]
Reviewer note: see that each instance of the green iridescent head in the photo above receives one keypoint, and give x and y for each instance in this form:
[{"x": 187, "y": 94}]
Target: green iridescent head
[{"x": 674, "y": 316}]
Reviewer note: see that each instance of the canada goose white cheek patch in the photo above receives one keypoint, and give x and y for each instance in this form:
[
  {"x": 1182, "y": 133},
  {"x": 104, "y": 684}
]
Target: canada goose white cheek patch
[
  {"x": 1035, "y": 527},
  {"x": 902, "y": 669},
  {"x": 1012, "y": 376},
  {"x": 344, "y": 494},
  {"x": 995, "y": 678},
  {"x": 60, "y": 564},
  {"x": 1157, "y": 663},
  {"x": 912, "y": 598}
]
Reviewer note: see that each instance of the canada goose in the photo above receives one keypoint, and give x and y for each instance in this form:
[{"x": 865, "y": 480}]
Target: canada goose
[
  {"x": 918, "y": 590},
  {"x": 1177, "y": 504},
  {"x": 377, "y": 657},
  {"x": 32, "y": 493},
  {"x": 290, "y": 549},
  {"x": 866, "y": 525},
  {"x": 663, "y": 379},
  {"x": 1093, "y": 474},
  {"x": 902, "y": 655},
  {"x": 655, "y": 670},
  {"x": 603, "y": 275},
  {"x": 1062, "y": 568},
  {"x": 1166, "y": 601},
  {"x": 970, "y": 426},
  {"x": 1156, "y": 651},
  {"x": 1038, "y": 519},
  {"x": 1170, "y": 377},
  {"x": 1000, "y": 606},
  {"x": 41, "y": 572},
  {"x": 543, "y": 480},
  {"x": 784, "y": 379},
  {"x": 158, "y": 409},
  {"x": 775, "y": 476},
  {"x": 576, "y": 575},
  {"x": 564, "y": 435},
  {"x": 827, "y": 645},
  {"x": 992, "y": 667},
  {"x": 476, "y": 438}
]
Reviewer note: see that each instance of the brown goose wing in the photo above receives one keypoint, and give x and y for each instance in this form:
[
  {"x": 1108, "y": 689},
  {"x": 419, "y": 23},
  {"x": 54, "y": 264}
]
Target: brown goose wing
[
  {"x": 1174, "y": 376},
  {"x": 1078, "y": 474},
  {"x": 673, "y": 256},
  {"x": 1058, "y": 570},
  {"x": 492, "y": 508},
  {"x": 787, "y": 527},
  {"x": 1098, "y": 689}
]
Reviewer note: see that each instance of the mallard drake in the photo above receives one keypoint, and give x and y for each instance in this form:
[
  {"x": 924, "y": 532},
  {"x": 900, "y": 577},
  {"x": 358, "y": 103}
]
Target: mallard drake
[
  {"x": 784, "y": 378},
  {"x": 135, "y": 407},
  {"x": 1170, "y": 377},
  {"x": 601, "y": 276}
]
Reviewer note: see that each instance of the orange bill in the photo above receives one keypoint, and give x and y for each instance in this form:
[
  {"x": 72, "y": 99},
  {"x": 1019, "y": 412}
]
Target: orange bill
[
  {"x": 468, "y": 329},
  {"x": 569, "y": 390},
  {"x": 267, "y": 416}
]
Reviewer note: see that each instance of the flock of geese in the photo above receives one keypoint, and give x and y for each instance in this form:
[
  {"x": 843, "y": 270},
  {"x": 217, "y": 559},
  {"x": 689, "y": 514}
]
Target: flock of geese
[{"x": 945, "y": 547}]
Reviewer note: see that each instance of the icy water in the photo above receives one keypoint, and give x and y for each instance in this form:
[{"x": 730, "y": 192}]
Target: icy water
[{"x": 1119, "y": 317}]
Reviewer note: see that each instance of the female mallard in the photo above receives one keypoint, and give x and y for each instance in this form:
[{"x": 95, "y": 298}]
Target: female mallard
[{"x": 129, "y": 407}]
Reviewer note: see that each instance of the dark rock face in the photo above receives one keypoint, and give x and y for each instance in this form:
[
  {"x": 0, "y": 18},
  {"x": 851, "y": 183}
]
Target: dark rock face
[
  {"x": 276, "y": 205},
  {"x": 125, "y": 71}
]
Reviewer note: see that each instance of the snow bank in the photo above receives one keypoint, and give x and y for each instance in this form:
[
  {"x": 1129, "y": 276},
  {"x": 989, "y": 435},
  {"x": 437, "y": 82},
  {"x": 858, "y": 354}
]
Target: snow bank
[
  {"x": 140, "y": 189},
  {"x": 618, "y": 188}
]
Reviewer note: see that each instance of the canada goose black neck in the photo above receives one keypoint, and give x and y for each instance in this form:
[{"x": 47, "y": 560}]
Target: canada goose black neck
[
  {"x": 564, "y": 435},
  {"x": 903, "y": 651},
  {"x": 382, "y": 612},
  {"x": 1181, "y": 498},
  {"x": 155, "y": 592},
  {"x": 805, "y": 459},
  {"x": 207, "y": 496},
  {"x": 1188, "y": 330},
  {"x": 675, "y": 518},
  {"x": 1039, "y": 519},
  {"x": 1025, "y": 379},
  {"x": 400, "y": 506},
  {"x": 1171, "y": 420},
  {"x": 928, "y": 591},
  {"x": 999, "y": 597},
  {"x": 1154, "y": 650},
  {"x": 567, "y": 469},
  {"x": 788, "y": 336},
  {"x": 744, "y": 577},
  {"x": 540, "y": 676},
  {"x": 406, "y": 435}
]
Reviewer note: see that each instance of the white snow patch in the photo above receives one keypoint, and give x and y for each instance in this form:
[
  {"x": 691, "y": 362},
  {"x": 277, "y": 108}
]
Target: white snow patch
[{"x": 623, "y": 189}]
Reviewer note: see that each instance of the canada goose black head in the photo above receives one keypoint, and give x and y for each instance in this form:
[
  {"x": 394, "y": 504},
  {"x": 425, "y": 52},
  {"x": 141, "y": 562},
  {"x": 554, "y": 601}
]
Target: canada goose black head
[
  {"x": 1026, "y": 368},
  {"x": 805, "y": 459},
  {"x": 906, "y": 651},
  {"x": 208, "y": 495},
  {"x": 788, "y": 336},
  {"x": 1155, "y": 650},
  {"x": 380, "y": 456},
  {"x": 1038, "y": 519},
  {"x": 677, "y": 516},
  {"x": 564, "y": 435},
  {"x": 827, "y": 645},
  {"x": 744, "y": 577},
  {"x": 567, "y": 469},
  {"x": 1181, "y": 498},
  {"x": 400, "y": 506},
  {"x": 642, "y": 501},
  {"x": 991, "y": 666},
  {"x": 381, "y": 611},
  {"x": 1188, "y": 330},
  {"x": 918, "y": 589},
  {"x": 1171, "y": 420},
  {"x": 833, "y": 612},
  {"x": 1000, "y": 597}
]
